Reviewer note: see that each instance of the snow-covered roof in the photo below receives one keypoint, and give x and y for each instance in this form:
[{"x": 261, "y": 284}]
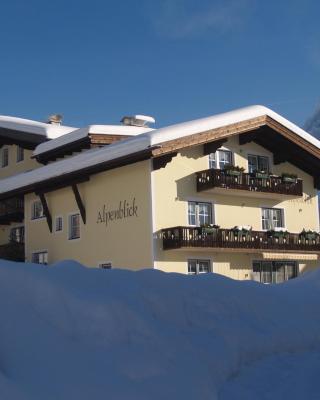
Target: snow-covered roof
[
  {"x": 84, "y": 132},
  {"x": 50, "y": 131},
  {"x": 143, "y": 142}
]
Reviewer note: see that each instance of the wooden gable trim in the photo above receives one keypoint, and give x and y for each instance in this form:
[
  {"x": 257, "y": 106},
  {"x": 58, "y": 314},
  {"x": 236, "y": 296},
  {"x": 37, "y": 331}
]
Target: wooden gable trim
[
  {"x": 209, "y": 136},
  {"x": 103, "y": 139},
  {"x": 293, "y": 137}
]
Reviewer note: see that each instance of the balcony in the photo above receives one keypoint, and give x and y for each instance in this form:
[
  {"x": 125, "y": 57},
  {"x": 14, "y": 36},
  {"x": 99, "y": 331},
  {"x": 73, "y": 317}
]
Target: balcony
[
  {"x": 249, "y": 241},
  {"x": 272, "y": 185},
  {"x": 12, "y": 251},
  {"x": 11, "y": 211}
]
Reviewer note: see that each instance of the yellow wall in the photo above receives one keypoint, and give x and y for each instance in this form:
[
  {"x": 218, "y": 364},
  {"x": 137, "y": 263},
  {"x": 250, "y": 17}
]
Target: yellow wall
[
  {"x": 175, "y": 185},
  {"x": 15, "y": 167},
  {"x": 126, "y": 242}
]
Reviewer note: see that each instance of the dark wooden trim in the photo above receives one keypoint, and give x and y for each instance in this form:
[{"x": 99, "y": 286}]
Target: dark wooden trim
[
  {"x": 162, "y": 161},
  {"x": 46, "y": 210},
  {"x": 26, "y": 140},
  {"x": 79, "y": 202},
  {"x": 212, "y": 147}
]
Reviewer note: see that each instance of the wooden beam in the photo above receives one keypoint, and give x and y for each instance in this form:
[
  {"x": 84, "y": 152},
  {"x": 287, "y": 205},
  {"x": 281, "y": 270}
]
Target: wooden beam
[
  {"x": 46, "y": 210},
  {"x": 212, "y": 147},
  {"x": 79, "y": 203},
  {"x": 162, "y": 161}
]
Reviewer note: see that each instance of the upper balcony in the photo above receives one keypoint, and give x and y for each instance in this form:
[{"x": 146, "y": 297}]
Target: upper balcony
[
  {"x": 259, "y": 185},
  {"x": 239, "y": 240},
  {"x": 11, "y": 211}
]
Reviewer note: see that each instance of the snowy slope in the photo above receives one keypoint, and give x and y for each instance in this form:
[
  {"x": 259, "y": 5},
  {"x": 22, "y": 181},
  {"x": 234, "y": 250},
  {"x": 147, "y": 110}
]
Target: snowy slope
[{"x": 68, "y": 332}]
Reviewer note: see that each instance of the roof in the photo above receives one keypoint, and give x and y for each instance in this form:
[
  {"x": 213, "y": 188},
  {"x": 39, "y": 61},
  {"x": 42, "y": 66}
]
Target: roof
[
  {"x": 34, "y": 127},
  {"x": 143, "y": 143},
  {"x": 79, "y": 134}
]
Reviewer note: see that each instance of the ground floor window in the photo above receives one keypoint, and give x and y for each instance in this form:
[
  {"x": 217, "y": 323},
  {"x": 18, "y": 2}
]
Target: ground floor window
[
  {"x": 198, "y": 267},
  {"x": 274, "y": 271},
  {"x": 40, "y": 257},
  {"x": 105, "y": 265},
  {"x": 17, "y": 234}
]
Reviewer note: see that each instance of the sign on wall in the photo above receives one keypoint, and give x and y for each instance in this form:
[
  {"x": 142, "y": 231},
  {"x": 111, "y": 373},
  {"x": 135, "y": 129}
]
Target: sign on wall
[{"x": 126, "y": 209}]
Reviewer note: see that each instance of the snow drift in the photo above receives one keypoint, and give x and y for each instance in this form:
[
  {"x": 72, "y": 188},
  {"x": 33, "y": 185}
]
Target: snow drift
[{"x": 70, "y": 332}]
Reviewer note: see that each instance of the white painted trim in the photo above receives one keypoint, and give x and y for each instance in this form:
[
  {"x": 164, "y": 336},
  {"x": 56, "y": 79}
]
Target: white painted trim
[
  {"x": 276, "y": 208},
  {"x": 68, "y": 228},
  {"x": 201, "y": 258},
  {"x": 55, "y": 225},
  {"x": 200, "y": 200},
  {"x": 39, "y": 252}
]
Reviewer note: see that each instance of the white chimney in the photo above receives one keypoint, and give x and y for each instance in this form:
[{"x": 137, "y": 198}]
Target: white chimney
[{"x": 138, "y": 120}]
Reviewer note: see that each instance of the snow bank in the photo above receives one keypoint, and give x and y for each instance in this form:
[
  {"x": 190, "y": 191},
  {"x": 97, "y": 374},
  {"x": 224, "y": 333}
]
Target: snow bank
[{"x": 69, "y": 332}]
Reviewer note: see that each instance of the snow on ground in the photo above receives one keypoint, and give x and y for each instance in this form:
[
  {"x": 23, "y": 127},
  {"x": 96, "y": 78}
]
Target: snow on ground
[{"x": 69, "y": 332}]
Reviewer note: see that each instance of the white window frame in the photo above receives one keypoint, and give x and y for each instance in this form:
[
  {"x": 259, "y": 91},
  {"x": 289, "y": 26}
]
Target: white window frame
[
  {"x": 33, "y": 216},
  {"x": 20, "y": 154},
  {"x": 214, "y": 158},
  {"x": 3, "y": 151},
  {"x": 197, "y": 211},
  {"x": 70, "y": 237},
  {"x": 55, "y": 224},
  {"x": 198, "y": 260},
  {"x": 282, "y": 217},
  {"x": 40, "y": 252}
]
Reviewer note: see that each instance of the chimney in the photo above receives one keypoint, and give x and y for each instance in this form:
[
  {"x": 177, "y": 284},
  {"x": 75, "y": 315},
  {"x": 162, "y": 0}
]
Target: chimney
[
  {"x": 138, "y": 120},
  {"x": 55, "y": 119}
]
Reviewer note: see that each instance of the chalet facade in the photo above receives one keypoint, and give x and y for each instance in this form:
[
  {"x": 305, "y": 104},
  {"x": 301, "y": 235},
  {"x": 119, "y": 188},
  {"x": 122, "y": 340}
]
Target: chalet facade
[{"x": 235, "y": 194}]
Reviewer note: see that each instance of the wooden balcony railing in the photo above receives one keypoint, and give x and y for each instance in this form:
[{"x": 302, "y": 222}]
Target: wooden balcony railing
[
  {"x": 11, "y": 211},
  {"x": 216, "y": 178},
  {"x": 180, "y": 236},
  {"x": 12, "y": 251}
]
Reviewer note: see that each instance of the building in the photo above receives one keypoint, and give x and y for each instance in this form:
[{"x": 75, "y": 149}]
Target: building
[{"x": 234, "y": 193}]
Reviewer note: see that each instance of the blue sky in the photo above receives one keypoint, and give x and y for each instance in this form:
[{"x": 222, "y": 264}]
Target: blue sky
[{"x": 95, "y": 61}]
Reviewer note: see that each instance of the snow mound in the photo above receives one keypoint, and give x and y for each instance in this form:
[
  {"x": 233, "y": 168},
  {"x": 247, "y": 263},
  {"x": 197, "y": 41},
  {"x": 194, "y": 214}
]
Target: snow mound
[{"x": 70, "y": 332}]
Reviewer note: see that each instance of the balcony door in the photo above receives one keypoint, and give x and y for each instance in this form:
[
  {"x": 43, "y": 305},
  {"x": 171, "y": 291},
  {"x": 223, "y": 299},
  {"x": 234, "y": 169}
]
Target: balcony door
[
  {"x": 199, "y": 213},
  {"x": 258, "y": 163},
  {"x": 272, "y": 218},
  {"x": 220, "y": 159}
]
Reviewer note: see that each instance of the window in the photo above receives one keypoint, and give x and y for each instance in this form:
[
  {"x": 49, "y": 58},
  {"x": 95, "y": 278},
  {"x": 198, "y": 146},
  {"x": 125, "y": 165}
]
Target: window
[
  {"x": 199, "y": 213},
  {"x": 272, "y": 218},
  {"x": 4, "y": 157},
  {"x": 37, "y": 210},
  {"x": 220, "y": 159},
  {"x": 74, "y": 226},
  {"x": 20, "y": 154},
  {"x": 106, "y": 265},
  {"x": 258, "y": 163},
  {"x": 274, "y": 271},
  {"x": 40, "y": 257},
  {"x": 198, "y": 267},
  {"x": 17, "y": 234},
  {"x": 59, "y": 224}
]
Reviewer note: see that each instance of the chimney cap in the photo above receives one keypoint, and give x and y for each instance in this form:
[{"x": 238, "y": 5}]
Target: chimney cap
[
  {"x": 55, "y": 119},
  {"x": 137, "y": 120}
]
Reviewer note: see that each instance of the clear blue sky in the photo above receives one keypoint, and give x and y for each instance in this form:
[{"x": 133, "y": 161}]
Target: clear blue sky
[{"x": 94, "y": 61}]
